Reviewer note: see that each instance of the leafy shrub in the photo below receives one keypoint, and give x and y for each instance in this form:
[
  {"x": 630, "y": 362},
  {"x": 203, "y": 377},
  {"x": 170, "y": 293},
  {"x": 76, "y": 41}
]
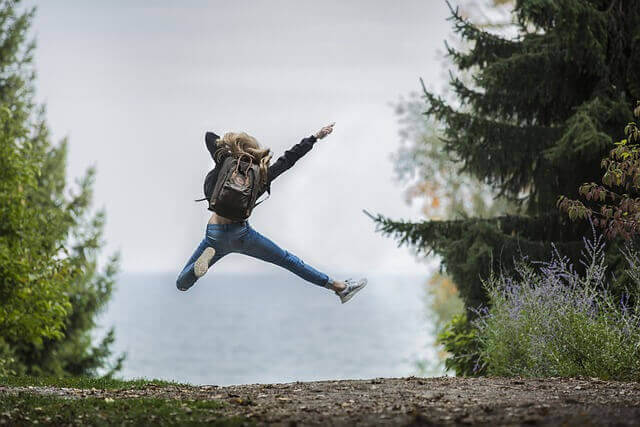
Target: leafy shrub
[
  {"x": 615, "y": 205},
  {"x": 460, "y": 339},
  {"x": 7, "y": 359},
  {"x": 549, "y": 320},
  {"x": 442, "y": 302}
]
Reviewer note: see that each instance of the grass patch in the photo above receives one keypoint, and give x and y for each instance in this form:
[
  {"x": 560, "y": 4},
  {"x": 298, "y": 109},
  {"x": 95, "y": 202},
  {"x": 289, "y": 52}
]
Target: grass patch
[
  {"x": 83, "y": 382},
  {"x": 28, "y": 409}
]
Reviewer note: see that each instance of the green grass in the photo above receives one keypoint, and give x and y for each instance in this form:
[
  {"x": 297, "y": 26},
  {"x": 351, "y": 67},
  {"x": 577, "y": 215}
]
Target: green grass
[
  {"x": 82, "y": 382},
  {"x": 29, "y": 409}
]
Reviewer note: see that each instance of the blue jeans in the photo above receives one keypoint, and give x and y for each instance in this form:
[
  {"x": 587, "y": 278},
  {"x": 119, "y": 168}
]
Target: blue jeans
[{"x": 242, "y": 238}]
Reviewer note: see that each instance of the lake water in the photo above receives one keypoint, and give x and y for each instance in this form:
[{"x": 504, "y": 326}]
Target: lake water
[{"x": 241, "y": 329}]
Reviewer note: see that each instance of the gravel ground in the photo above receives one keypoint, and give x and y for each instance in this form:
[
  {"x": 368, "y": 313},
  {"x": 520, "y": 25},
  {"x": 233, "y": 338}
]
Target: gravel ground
[{"x": 406, "y": 401}]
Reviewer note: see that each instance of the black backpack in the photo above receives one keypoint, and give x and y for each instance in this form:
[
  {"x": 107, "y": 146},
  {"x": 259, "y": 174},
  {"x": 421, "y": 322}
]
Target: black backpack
[{"x": 236, "y": 191}]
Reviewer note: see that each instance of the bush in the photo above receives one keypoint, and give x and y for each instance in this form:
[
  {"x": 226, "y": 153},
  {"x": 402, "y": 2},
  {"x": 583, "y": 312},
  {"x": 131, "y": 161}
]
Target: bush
[
  {"x": 548, "y": 320},
  {"x": 7, "y": 360},
  {"x": 460, "y": 339}
]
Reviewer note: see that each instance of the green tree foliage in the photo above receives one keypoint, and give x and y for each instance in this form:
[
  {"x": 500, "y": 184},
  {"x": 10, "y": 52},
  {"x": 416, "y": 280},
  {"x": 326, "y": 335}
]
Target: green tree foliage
[
  {"x": 421, "y": 160},
  {"x": 533, "y": 125},
  {"x": 50, "y": 285}
]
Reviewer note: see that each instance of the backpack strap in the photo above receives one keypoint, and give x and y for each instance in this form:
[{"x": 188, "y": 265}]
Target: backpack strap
[
  {"x": 257, "y": 203},
  {"x": 268, "y": 195},
  {"x": 200, "y": 200}
]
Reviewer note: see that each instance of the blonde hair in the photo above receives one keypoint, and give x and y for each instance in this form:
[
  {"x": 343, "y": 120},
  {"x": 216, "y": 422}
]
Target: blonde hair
[{"x": 241, "y": 143}]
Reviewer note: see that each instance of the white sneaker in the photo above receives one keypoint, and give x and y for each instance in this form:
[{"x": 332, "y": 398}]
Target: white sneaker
[
  {"x": 351, "y": 289},
  {"x": 202, "y": 263}
]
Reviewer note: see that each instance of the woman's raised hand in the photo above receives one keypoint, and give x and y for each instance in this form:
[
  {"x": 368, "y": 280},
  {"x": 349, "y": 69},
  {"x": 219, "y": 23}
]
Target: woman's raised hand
[{"x": 325, "y": 131}]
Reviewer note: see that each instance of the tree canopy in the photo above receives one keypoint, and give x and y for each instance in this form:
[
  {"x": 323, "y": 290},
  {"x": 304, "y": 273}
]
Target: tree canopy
[{"x": 51, "y": 286}]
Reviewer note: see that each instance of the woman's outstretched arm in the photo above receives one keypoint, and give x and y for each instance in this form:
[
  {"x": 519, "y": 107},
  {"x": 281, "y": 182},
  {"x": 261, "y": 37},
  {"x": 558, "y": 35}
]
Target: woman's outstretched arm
[{"x": 292, "y": 155}]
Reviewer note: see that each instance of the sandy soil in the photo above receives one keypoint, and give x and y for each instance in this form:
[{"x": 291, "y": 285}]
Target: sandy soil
[{"x": 408, "y": 401}]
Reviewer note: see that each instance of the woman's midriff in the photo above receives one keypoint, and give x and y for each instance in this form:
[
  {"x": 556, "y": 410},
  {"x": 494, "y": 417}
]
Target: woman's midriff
[{"x": 217, "y": 219}]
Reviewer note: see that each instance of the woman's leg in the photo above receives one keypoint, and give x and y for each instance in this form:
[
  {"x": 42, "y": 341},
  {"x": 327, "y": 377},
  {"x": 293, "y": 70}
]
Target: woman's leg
[
  {"x": 258, "y": 246},
  {"x": 187, "y": 276}
]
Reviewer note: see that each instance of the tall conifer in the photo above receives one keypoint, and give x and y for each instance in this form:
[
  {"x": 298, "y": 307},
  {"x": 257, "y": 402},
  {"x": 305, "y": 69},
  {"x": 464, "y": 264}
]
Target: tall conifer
[{"x": 542, "y": 111}]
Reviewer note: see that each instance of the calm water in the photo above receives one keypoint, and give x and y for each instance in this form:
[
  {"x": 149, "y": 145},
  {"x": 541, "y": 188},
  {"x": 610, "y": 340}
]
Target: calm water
[{"x": 240, "y": 329}]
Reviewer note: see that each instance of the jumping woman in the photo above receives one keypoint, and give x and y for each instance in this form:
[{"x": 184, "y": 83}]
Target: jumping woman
[{"x": 242, "y": 173}]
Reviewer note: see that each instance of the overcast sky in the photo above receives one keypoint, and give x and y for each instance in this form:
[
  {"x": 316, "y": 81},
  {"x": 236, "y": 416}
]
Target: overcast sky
[{"x": 135, "y": 85}]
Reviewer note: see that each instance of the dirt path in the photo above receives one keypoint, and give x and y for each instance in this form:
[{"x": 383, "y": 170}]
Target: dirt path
[{"x": 407, "y": 401}]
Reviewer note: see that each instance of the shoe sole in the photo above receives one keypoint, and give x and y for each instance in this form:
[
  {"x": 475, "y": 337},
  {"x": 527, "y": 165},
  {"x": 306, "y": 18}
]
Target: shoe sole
[
  {"x": 348, "y": 297},
  {"x": 202, "y": 263}
]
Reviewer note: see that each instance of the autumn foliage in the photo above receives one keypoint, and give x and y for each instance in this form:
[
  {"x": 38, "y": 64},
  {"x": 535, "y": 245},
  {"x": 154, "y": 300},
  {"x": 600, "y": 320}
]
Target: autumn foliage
[{"x": 613, "y": 206}]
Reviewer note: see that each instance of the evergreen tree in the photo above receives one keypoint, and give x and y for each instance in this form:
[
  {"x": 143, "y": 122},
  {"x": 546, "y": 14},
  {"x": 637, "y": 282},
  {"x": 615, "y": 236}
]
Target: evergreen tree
[
  {"x": 541, "y": 113},
  {"x": 50, "y": 286},
  {"x": 445, "y": 193}
]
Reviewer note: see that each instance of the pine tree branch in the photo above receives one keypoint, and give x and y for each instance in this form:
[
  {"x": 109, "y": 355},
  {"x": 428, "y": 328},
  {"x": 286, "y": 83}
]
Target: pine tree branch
[{"x": 486, "y": 46}]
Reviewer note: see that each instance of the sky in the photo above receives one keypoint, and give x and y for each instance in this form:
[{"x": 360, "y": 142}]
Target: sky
[{"x": 135, "y": 85}]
